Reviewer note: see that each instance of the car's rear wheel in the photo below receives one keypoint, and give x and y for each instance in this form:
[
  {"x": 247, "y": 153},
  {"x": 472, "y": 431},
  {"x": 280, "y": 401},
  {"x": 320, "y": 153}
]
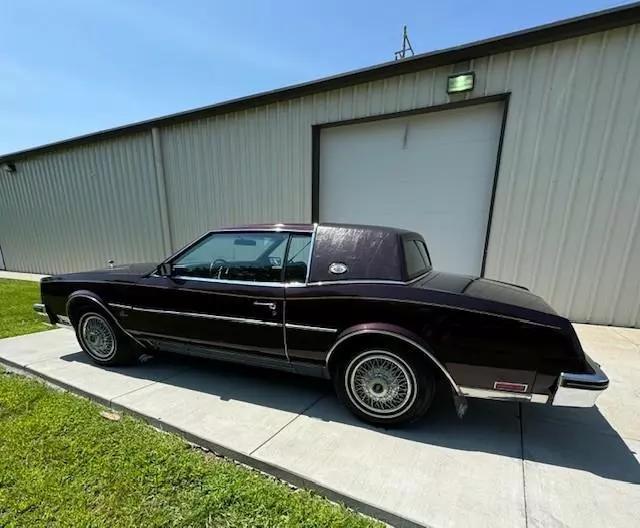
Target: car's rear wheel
[
  {"x": 385, "y": 386},
  {"x": 103, "y": 341}
]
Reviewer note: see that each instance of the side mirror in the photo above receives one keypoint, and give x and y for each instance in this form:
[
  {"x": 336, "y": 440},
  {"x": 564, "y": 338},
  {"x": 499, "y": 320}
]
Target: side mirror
[{"x": 165, "y": 269}]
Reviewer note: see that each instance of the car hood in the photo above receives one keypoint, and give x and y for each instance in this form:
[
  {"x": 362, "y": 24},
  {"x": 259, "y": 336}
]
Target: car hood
[
  {"x": 119, "y": 272},
  {"x": 486, "y": 289}
]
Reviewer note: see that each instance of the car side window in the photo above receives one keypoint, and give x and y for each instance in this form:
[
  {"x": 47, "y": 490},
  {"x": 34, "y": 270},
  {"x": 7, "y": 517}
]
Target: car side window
[
  {"x": 251, "y": 257},
  {"x": 298, "y": 258},
  {"x": 416, "y": 264},
  {"x": 422, "y": 247}
]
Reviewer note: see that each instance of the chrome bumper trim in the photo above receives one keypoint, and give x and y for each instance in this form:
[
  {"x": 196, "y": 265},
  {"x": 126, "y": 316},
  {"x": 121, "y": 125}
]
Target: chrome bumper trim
[
  {"x": 488, "y": 394},
  {"x": 580, "y": 389},
  {"x": 41, "y": 311}
]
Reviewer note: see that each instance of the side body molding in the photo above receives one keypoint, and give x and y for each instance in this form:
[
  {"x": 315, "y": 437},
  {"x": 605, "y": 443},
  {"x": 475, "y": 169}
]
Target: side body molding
[
  {"x": 408, "y": 337},
  {"x": 87, "y": 295}
]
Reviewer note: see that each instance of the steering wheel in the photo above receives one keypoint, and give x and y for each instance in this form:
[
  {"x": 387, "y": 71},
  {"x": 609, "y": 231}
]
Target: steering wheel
[{"x": 218, "y": 263}]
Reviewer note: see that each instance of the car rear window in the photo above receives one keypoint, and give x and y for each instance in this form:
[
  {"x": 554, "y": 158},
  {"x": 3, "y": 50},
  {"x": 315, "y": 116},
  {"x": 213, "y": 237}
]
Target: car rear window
[{"x": 416, "y": 258}]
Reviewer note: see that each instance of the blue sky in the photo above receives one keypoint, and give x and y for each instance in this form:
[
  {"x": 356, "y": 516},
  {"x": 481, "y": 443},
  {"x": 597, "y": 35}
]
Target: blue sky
[{"x": 69, "y": 67}]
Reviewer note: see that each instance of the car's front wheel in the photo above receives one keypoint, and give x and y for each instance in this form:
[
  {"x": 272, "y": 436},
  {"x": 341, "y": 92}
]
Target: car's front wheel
[
  {"x": 103, "y": 342},
  {"x": 385, "y": 386}
]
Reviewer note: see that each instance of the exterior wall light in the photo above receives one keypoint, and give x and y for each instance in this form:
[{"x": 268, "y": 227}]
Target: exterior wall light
[{"x": 460, "y": 82}]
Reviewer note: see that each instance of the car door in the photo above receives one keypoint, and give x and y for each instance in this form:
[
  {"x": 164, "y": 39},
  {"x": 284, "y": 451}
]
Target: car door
[{"x": 225, "y": 293}]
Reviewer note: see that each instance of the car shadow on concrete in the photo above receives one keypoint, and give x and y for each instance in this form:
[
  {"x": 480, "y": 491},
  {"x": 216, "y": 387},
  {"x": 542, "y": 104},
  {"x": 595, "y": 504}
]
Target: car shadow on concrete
[{"x": 580, "y": 439}]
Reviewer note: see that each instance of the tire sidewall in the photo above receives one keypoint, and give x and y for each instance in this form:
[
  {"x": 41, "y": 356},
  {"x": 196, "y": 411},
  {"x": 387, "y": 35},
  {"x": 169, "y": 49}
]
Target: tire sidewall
[
  {"x": 116, "y": 338},
  {"x": 420, "y": 377}
]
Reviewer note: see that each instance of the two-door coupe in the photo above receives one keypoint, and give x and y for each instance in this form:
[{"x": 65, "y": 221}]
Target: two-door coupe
[{"x": 358, "y": 304}]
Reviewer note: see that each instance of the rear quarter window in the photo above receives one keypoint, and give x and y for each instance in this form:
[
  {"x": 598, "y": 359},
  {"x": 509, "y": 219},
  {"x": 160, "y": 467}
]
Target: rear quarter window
[{"x": 415, "y": 258}]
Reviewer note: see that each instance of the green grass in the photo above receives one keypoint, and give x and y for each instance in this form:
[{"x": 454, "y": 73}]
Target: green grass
[
  {"x": 62, "y": 464},
  {"x": 16, "y": 308}
]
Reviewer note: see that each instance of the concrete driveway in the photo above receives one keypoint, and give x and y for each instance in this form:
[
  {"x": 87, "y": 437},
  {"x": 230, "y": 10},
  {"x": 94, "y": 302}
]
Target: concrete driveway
[{"x": 503, "y": 465}]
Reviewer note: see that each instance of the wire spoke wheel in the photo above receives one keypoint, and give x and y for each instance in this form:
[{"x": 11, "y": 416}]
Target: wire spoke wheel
[
  {"x": 381, "y": 383},
  {"x": 98, "y": 337}
]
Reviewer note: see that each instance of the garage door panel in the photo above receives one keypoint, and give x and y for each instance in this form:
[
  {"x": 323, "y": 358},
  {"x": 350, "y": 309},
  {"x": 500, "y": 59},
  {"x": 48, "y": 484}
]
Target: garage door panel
[{"x": 432, "y": 173}]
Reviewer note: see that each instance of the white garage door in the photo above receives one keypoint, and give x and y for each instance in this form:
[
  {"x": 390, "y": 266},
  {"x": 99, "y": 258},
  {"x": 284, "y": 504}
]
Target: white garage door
[{"x": 431, "y": 173}]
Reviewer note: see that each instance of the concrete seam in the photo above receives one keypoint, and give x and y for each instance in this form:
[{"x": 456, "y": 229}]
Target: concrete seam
[{"x": 287, "y": 424}]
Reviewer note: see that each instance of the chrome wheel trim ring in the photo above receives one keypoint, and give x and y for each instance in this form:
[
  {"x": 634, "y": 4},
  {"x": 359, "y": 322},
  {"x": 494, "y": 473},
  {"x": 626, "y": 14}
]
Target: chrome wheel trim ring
[
  {"x": 97, "y": 336},
  {"x": 380, "y": 384}
]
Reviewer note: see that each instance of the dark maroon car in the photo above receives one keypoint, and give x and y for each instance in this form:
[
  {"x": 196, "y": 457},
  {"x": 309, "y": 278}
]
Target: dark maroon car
[{"x": 358, "y": 304}]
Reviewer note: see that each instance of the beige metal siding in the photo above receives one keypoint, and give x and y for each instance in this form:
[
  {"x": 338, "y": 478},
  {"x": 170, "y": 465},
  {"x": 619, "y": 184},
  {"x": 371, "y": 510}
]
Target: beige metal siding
[
  {"x": 566, "y": 209},
  {"x": 566, "y": 213},
  {"x": 77, "y": 208},
  {"x": 246, "y": 167}
]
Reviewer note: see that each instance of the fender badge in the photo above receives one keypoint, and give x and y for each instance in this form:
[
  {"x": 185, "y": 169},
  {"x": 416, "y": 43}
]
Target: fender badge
[{"x": 338, "y": 268}]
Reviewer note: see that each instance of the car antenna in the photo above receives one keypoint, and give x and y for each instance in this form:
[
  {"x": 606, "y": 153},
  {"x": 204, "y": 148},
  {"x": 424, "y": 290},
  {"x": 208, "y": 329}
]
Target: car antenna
[{"x": 406, "y": 45}]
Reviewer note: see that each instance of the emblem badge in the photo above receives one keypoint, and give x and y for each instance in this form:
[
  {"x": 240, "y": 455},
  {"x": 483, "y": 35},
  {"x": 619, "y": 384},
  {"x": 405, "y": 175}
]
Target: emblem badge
[{"x": 338, "y": 268}]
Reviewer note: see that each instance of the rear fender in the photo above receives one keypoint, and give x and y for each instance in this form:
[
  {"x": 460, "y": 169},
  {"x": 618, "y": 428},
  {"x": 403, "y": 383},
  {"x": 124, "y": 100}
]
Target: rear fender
[{"x": 402, "y": 335}]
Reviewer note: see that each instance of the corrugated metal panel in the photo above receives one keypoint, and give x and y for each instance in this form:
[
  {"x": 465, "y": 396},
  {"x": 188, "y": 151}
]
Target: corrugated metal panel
[
  {"x": 78, "y": 208},
  {"x": 566, "y": 212},
  {"x": 245, "y": 167}
]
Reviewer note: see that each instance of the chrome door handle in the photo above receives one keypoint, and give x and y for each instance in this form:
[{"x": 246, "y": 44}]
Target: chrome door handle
[{"x": 270, "y": 305}]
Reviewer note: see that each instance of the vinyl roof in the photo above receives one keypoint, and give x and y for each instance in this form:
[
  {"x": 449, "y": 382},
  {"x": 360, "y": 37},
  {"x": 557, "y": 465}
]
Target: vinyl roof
[{"x": 573, "y": 27}]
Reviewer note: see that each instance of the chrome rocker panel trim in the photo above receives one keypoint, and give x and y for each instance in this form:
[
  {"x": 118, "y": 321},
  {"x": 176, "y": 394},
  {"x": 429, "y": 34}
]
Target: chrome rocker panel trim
[
  {"x": 294, "y": 326},
  {"x": 200, "y": 315},
  {"x": 245, "y": 320},
  {"x": 580, "y": 389}
]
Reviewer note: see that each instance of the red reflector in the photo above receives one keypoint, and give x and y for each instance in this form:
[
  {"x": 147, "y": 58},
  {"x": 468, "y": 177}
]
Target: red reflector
[{"x": 511, "y": 387}]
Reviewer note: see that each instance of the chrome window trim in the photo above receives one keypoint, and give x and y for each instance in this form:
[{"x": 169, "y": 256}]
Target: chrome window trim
[
  {"x": 294, "y": 284},
  {"x": 422, "y": 349},
  {"x": 313, "y": 243},
  {"x": 294, "y": 326},
  {"x": 357, "y": 281},
  {"x": 243, "y": 283},
  {"x": 490, "y": 394},
  {"x": 368, "y": 281},
  {"x": 244, "y": 320}
]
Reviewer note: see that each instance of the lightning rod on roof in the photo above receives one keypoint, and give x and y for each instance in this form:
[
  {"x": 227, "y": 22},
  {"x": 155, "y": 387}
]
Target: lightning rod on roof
[{"x": 406, "y": 45}]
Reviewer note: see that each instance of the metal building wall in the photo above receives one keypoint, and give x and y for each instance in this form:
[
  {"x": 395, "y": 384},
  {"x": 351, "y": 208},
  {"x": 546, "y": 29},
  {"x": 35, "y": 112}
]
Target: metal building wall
[
  {"x": 565, "y": 218},
  {"x": 566, "y": 208},
  {"x": 246, "y": 167},
  {"x": 77, "y": 208}
]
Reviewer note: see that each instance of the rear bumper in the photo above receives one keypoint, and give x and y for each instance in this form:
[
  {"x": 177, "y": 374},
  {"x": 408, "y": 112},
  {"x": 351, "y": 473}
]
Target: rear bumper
[{"x": 580, "y": 389}]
